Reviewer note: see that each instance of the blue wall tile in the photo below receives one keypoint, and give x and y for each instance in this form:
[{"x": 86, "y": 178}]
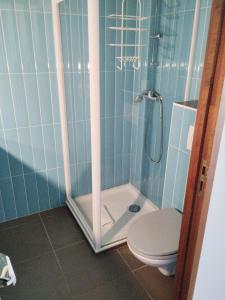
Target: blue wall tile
[
  {"x": 8, "y": 117},
  {"x": 67, "y": 55},
  {"x": 20, "y": 195},
  {"x": 13, "y": 149},
  {"x": 6, "y": 4},
  {"x": 109, "y": 97},
  {"x": 175, "y": 129},
  {"x": 72, "y": 144},
  {"x": 75, "y": 44},
  {"x": 108, "y": 179},
  {"x": 33, "y": 107},
  {"x": 8, "y": 198},
  {"x": 62, "y": 192},
  {"x": 24, "y": 135},
  {"x": 74, "y": 7},
  {"x": 84, "y": 171},
  {"x": 21, "y": 4},
  {"x": 53, "y": 188},
  {"x": 43, "y": 190},
  {"x": 49, "y": 143},
  {"x": 80, "y": 141},
  {"x": 54, "y": 98},
  {"x": 19, "y": 100},
  {"x": 11, "y": 40},
  {"x": 38, "y": 148},
  {"x": 30, "y": 136},
  {"x": 181, "y": 179},
  {"x": 188, "y": 120},
  {"x": 49, "y": 42},
  {"x": 58, "y": 141},
  {"x": 39, "y": 41},
  {"x": 3, "y": 61},
  {"x": 177, "y": 168},
  {"x": 45, "y": 98},
  {"x": 88, "y": 140},
  {"x": 2, "y": 212},
  {"x": 174, "y": 21},
  {"x": 172, "y": 161},
  {"x": 118, "y": 171},
  {"x": 4, "y": 170},
  {"x": 32, "y": 192},
  {"x": 36, "y": 5},
  {"x": 25, "y": 38}
]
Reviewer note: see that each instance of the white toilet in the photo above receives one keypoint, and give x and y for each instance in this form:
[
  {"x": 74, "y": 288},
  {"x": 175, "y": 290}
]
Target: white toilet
[{"x": 154, "y": 239}]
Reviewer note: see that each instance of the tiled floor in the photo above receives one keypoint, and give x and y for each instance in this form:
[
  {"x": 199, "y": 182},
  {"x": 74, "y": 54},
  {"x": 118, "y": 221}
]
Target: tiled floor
[{"x": 52, "y": 260}]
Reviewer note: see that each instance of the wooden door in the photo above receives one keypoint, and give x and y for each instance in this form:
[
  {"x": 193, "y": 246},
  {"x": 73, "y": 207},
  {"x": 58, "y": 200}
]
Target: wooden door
[{"x": 208, "y": 128}]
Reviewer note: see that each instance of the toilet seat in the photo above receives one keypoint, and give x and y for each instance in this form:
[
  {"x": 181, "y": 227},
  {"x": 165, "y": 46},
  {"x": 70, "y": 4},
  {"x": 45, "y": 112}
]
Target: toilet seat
[
  {"x": 154, "y": 261},
  {"x": 156, "y": 235},
  {"x": 151, "y": 257}
]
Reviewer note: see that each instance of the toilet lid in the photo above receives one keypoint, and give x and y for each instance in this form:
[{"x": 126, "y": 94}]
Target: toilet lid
[{"x": 156, "y": 233}]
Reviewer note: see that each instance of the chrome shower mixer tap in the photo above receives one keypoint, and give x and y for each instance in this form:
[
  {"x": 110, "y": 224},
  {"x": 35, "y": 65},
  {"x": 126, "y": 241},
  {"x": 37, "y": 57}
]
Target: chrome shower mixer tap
[{"x": 150, "y": 95}]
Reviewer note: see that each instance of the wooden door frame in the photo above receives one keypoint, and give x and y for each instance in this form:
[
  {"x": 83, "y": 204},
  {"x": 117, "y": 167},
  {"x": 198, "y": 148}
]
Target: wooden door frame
[{"x": 208, "y": 131}]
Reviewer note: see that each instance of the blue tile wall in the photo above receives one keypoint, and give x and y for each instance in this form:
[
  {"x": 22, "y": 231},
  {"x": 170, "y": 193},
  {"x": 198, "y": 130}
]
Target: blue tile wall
[
  {"x": 31, "y": 175},
  {"x": 116, "y": 97},
  {"x": 73, "y": 15},
  {"x": 174, "y": 21},
  {"x": 178, "y": 156}
]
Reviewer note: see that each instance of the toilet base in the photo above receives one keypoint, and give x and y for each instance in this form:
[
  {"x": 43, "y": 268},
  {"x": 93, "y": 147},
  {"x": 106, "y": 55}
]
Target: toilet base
[{"x": 168, "y": 270}]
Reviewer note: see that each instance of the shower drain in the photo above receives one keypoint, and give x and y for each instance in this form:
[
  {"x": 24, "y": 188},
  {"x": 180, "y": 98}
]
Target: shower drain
[{"x": 134, "y": 208}]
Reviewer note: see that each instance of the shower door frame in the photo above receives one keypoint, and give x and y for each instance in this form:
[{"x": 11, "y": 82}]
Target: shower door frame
[
  {"x": 78, "y": 215},
  {"x": 206, "y": 142},
  {"x": 93, "y": 234}
]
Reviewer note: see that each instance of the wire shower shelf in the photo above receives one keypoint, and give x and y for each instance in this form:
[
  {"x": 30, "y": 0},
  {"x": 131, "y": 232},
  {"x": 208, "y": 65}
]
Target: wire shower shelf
[{"x": 123, "y": 59}]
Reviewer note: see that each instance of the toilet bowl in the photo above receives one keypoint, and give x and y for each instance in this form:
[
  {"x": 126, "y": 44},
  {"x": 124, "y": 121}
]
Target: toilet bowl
[{"x": 154, "y": 239}]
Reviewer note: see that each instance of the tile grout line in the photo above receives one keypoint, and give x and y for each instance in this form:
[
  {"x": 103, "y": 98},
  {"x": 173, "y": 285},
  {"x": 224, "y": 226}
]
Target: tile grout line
[
  {"x": 31, "y": 259},
  {"x": 56, "y": 257},
  {"x": 139, "y": 268},
  {"x": 71, "y": 245},
  {"x": 124, "y": 260},
  {"x": 133, "y": 273},
  {"x": 150, "y": 297}
]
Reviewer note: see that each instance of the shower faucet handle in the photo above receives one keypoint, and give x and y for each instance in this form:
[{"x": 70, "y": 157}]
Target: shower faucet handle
[
  {"x": 150, "y": 95},
  {"x": 153, "y": 95}
]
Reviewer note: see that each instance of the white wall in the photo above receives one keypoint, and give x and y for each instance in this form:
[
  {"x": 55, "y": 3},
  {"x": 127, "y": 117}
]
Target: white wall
[{"x": 210, "y": 283}]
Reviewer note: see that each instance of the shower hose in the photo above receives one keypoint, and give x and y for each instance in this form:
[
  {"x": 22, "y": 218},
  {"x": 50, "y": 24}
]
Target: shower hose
[{"x": 159, "y": 157}]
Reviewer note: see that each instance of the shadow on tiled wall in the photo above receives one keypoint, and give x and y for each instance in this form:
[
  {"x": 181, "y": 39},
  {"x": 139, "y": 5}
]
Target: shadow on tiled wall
[{"x": 25, "y": 190}]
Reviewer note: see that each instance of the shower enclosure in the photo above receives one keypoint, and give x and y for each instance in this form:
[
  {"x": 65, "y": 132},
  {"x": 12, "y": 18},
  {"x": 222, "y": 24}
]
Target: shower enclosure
[{"x": 107, "y": 54}]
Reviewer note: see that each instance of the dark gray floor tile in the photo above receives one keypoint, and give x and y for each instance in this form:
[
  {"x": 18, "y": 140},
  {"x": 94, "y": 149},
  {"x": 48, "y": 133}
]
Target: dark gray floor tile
[
  {"x": 160, "y": 287},
  {"x": 25, "y": 220},
  {"x": 24, "y": 241},
  {"x": 38, "y": 279},
  {"x": 123, "y": 288},
  {"x": 85, "y": 270},
  {"x": 61, "y": 227},
  {"x": 130, "y": 259}
]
